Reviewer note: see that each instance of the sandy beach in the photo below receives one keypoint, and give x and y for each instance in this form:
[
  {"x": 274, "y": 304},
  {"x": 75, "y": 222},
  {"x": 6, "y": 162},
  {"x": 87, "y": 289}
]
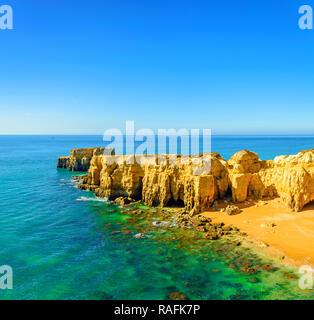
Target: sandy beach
[{"x": 271, "y": 228}]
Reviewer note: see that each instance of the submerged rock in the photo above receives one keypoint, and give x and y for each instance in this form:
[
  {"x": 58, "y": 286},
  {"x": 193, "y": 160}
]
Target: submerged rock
[
  {"x": 140, "y": 236},
  {"x": 161, "y": 223},
  {"x": 248, "y": 270},
  {"x": 177, "y": 296},
  {"x": 268, "y": 267},
  {"x": 290, "y": 276}
]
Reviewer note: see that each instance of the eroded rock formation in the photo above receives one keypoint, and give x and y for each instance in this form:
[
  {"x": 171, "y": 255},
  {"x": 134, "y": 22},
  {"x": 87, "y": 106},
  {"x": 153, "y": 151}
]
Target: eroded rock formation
[
  {"x": 79, "y": 159},
  {"x": 158, "y": 182},
  {"x": 289, "y": 177}
]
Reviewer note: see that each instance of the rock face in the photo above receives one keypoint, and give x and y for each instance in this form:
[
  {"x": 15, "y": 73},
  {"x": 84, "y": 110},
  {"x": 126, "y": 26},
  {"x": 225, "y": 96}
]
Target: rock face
[
  {"x": 158, "y": 182},
  {"x": 63, "y": 162},
  {"x": 289, "y": 177},
  {"x": 294, "y": 179},
  {"x": 79, "y": 159}
]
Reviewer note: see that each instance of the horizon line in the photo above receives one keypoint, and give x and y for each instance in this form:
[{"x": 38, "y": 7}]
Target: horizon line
[{"x": 217, "y": 134}]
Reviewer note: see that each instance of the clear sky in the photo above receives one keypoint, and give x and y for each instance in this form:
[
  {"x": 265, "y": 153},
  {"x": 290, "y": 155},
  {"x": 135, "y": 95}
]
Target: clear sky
[{"x": 80, "y": 67}]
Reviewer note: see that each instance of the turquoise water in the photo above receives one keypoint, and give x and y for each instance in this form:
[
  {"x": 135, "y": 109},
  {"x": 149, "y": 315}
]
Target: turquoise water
[{"x": 59, "y": 242}]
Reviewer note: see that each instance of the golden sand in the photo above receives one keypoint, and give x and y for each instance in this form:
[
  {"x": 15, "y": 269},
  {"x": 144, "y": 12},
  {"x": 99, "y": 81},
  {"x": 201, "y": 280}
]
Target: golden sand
[{"x": 275, "y": 231}]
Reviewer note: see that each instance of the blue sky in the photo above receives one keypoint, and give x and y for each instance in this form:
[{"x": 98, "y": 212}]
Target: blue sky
[{"x": 80, "y": 67}]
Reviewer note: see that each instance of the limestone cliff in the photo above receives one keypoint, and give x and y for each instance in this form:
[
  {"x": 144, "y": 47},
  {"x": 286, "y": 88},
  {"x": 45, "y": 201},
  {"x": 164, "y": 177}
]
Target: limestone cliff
[
  {"x": 158, "y": 182},
  {"x": 79, "y": 159},
  {"x": 289, "y": 177}
]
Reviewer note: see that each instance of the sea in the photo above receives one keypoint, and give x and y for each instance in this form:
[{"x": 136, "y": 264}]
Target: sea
[{"x": 64, "y": 243}]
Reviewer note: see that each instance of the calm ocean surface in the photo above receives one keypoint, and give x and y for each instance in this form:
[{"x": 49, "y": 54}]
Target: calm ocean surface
[{"x": 59, "y": 240}]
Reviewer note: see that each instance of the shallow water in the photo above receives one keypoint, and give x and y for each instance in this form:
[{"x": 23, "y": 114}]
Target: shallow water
[{"x": 59, "y": 242}]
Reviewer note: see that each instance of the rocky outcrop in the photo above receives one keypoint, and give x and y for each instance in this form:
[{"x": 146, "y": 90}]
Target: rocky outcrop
[
  {"x": 157, "y": 181},
  {"x": 293, "y": 178},
  {"x": 156, "y": 184},
  {"x": 63, "y": 162},
  {"x": 289, "y": 177},
  {"x": 79, "y": 159}
]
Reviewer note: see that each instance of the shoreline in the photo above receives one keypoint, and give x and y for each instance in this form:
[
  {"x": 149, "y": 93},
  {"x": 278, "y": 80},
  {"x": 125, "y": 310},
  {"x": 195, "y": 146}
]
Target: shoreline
[
  {"x": 269, "y": 203},
  {"x": 240, "y": 235},
  {"x": 235, "y": 252},
  {"x": 219, "y": 259},
  {"x": 262, "y": 227}
]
